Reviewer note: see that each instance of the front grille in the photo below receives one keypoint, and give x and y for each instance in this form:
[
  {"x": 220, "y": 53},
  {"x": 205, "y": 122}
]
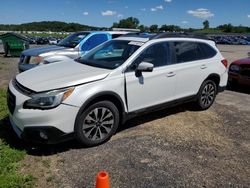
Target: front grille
[
  {"x": 11, "y": 101},
  {"x": 24, "y": 90},
  {"x": 245, "y": 70}
]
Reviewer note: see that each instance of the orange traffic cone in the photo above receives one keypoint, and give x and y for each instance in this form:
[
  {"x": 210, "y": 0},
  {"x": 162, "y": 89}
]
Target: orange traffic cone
[{"x": 102, "y": 180}]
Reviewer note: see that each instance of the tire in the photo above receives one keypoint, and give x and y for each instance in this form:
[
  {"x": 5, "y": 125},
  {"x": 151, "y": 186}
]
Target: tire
[
  {"x": 7, "y": 52},
  {"x": 206, "y": 95},
  {"x": 97, "y": 123}
]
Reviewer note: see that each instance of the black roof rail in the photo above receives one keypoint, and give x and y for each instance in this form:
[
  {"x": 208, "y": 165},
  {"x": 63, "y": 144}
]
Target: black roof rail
[{"x": 181, "y": 35}]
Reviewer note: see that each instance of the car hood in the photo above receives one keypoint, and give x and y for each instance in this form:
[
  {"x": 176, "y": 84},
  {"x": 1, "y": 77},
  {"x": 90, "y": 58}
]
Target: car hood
[
  {"x": 39, "y": 50},
  {"x": 242, "y": 61},
  {"x": 60, "y": 75}
]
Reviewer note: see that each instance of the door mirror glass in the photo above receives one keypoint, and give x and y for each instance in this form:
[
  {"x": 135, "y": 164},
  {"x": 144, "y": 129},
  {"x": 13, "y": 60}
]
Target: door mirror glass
[{"x": 145, "y": 67}]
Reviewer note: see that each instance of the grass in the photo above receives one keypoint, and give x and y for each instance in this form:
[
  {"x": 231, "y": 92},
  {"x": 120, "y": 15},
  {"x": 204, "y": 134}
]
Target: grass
[
  {"x": 47, "y": 35},
  {"x": 10, "y": 158}
]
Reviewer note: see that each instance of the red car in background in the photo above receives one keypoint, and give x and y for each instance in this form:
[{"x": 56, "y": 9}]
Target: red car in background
[{"x": 239, "y": 72}]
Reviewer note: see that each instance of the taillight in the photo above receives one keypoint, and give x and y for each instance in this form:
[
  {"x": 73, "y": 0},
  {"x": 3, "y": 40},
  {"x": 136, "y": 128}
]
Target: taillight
[{"x": 224, "y": 62}]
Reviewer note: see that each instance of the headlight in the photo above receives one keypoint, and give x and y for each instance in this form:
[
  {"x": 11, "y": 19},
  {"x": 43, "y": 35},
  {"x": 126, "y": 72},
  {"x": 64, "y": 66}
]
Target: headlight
[
  {"x": 234, "y": 68},
  {"x": 48, "y": 100},
  {"x": 35, "y": 59}
]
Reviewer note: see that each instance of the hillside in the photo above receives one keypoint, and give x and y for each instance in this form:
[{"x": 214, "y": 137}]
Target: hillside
[{"x": 47, "y": 26}]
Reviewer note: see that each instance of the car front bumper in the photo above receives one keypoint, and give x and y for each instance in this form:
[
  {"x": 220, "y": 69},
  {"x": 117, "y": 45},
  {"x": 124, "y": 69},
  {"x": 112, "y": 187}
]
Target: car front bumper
[
  {"x": 233, "y": 77},
  {"x": 42, "y": 126}
]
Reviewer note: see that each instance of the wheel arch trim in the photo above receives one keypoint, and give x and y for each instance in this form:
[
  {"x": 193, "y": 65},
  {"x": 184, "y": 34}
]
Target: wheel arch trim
[{"x": 97, "y": 97}]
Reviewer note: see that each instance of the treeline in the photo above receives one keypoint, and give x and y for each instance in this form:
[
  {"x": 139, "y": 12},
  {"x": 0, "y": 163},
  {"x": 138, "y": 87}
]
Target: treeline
[
  {"x": 54, "y": 26},
  {"x": 131, "y": 22}
]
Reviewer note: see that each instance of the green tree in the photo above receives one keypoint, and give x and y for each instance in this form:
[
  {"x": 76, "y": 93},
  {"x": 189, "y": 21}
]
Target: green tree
[
  {"x": 153, "y": 28},
  {"x": 228, "y": 28},
  {"x": 142, "y": 28},
  {"x": 130, "y": 22},
  {"x": 170, "y": 28},
  {"x": 206, "y": 24}
]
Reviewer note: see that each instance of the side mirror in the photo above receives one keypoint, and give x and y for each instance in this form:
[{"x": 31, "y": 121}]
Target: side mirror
[{"x": 144, "y": 67}]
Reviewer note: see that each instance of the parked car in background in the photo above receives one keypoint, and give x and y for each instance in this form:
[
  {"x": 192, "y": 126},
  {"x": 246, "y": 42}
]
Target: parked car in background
[
  {"x": 32, "y": 40},
  {"x": 42, "y": 40},
  {"x": 239, "y": 72},
  {"x": 232, "y": 40},
  {"x": 88, "y": 98},
  {"x": 53, "y": 41},
  {"x": 72, "y": 46}
]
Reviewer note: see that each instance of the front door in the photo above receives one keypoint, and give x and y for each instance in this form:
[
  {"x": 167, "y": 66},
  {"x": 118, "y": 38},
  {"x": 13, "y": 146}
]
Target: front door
[{"x": 151, "y": 88}]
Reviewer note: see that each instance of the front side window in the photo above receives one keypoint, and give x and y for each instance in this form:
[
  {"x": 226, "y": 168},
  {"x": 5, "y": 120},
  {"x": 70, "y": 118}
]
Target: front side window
[
  {"x": 73, "y": 40},
  {"x": 157, "y": 54},
  {"x": 94, "y": 41},
  {"x": 109, "y": 55}
]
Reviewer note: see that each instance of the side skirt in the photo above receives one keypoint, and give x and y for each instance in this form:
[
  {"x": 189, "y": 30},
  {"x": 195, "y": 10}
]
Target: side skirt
[{"x": 158, "y": 107}]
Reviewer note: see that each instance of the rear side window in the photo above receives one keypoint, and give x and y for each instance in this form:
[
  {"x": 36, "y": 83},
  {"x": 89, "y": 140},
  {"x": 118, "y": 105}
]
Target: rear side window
[{"x": 192, "y": 51}]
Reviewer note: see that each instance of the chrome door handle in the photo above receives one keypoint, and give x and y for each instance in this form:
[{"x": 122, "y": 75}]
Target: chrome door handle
[
  {"x": 203, "y": 66},
  {"x": 170, "y": 74}
]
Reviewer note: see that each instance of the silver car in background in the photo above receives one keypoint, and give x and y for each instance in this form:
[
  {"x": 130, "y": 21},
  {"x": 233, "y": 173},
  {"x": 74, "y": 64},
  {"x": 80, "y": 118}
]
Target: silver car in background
[{"x": 73, "y": 46}]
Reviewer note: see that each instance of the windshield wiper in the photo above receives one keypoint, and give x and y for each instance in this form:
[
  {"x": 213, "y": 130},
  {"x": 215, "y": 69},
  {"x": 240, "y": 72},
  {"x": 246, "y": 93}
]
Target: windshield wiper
[{"x": 78, "y": 60}]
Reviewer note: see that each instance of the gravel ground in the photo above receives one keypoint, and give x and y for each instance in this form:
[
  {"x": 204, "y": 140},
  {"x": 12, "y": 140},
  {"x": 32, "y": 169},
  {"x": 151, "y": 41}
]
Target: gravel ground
[
  {"x": 234, "y": 52},
  {"x": 176, "y": 147}
]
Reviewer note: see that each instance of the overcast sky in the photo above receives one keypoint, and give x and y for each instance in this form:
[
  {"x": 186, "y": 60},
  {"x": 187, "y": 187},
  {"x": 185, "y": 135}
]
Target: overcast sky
[{"x": 185, "y": 13}]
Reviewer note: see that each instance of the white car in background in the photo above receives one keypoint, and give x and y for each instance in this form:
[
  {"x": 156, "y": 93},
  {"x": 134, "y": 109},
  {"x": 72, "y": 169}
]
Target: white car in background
[
  {"x": 52, "y": 41},
  {"x": 119, "y": 79}
]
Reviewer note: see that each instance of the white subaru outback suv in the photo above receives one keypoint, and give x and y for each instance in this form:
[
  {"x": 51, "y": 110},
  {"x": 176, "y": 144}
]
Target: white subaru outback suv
[{"x": 89, "y": 98}]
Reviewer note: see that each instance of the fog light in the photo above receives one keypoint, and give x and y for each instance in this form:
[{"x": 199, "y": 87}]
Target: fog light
[{"x": 43, "y": 135}]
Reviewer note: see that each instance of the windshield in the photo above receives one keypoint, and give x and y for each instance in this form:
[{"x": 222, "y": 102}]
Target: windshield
[
  {"x": 73, "y": 40},
  {"x": 109, "y": 55}
]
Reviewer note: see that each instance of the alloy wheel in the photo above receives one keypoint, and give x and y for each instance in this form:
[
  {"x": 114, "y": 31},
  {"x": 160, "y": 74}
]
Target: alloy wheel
[
  {"x": 207, "y": 95},
  {"x": 98, "y": 123}
]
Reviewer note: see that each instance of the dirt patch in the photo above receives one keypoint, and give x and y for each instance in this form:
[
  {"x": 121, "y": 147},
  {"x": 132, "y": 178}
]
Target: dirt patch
[
  {"x": 8, "y": 69},
  {"x": 234, "y": 52},
  {"x": 43, "y": 168}
]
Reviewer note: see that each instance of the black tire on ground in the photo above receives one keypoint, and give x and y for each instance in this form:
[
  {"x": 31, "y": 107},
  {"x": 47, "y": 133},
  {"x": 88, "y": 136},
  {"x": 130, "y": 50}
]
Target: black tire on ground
[
  {"x": 206, "y": 95},
  {"x": 97, "y": 123},
  {"x": 7, "y": 52}
]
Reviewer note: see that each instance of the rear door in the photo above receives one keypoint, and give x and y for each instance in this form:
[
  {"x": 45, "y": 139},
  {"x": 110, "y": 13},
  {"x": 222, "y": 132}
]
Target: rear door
[{"x": 192, "y": 66}]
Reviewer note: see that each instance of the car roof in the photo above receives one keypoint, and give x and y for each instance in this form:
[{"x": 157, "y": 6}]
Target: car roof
[
  {"x": 132, "y": 38},
  {"x": 110, "y": 32}
]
